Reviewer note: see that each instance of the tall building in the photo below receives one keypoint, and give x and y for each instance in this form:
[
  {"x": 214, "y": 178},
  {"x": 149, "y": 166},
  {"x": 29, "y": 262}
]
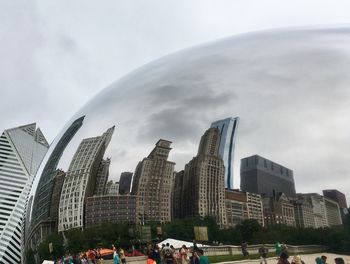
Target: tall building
[
  {"x": 177, "y": 195},
  {"x": 102, "y": 177},
  {"x": 80, "y": 180},
  {"x": 318, "y": 209},
  {"x": 46, "y": 227},
  {"x": 112, "y": 188},
  {"x": 332, "y": 212},
  {"x": 153, "y": 179},
  {"x": 228, "y": 132},
  {"x": 340, "y": 198},
  {"x": 125, "y": 182},
  {"x": 41, "y": 221},
  {"x": 263, "y": 176},
  {"x": 21, "y": 152},
  {"x": 241, "y": 206},
  {"x": 203, "y": 184},
  {"x": 304, "y": 216}
]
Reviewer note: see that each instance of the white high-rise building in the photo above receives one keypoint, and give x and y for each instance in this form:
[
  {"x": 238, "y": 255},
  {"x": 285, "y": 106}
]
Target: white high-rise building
[
  {"x": 228, "y": 132},
  {"x": 80, "y": 180},
  {"x": 21, "y": 152}
]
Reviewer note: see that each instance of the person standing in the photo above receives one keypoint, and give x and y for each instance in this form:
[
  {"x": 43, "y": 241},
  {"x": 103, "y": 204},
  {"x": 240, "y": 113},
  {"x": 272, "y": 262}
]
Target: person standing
[
  {"x": 115, "y": 257},
  {"x": 202, "y": 259},
  {"x": 122, "y": 256},
  {"x": 244, "y": 248},
  {"x": 283, "y": 258},
  {"x": 278, "y": 248},
  {"x": 183, "y": 253},
  {"x": 263, "y": 251}
]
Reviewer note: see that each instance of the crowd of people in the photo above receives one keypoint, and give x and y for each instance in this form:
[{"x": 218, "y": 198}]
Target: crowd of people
[
  {"x": 167, "y": 254},
  {"x": 282, "y": 255}
]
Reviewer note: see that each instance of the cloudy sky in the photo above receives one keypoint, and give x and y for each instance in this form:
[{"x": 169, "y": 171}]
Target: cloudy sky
[{"x": 56, "y": 55}]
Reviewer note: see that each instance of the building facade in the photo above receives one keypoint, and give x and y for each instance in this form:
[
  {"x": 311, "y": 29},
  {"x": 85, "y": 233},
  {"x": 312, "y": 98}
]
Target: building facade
[
  {"x": 110, "y": 208},
  {"x": 112, "y": 188},
  {"x": 340, "y": 198},
  {"x": 21, "y": 152},
  {"x": 241, "y": 206},
  {"x": 153, "y": 179},
  {"x": 125, "y": 182},
  {"x": 177, "y": 195},
  {"x": 304, "y": 216},
  {"x": 203, "y": 184},
  {"x": 228, "y": 133},
  {"x": 332, "y": 212},
  {"x": 318, "y": 209},
  {"x": 265, "y": 177},
  {"x": 102, "y": 177},
  {"x": 80, "y": 180},
  {"x": 278, "y": 210}
]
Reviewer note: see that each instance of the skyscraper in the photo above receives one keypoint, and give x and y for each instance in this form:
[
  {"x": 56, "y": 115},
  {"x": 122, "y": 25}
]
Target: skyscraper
[
  {"x": 152, "y": 184},
  {"x": 40, "y": 216},
  {"x": 228, "y": 132},
  {"x": 265, "y": 177},
  {"x": 80, "y": 180},
  {"x": 102, "y": 177},
  {"x": 21, "y": 152},
  {"x": 203, "y": 183},
  {"x": 125, "y": 182},
  {"x": 340, "y": 198}
]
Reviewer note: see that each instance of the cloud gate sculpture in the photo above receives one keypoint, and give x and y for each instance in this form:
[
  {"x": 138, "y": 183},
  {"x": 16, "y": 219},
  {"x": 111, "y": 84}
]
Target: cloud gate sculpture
[{"x": 289, "y": 88}]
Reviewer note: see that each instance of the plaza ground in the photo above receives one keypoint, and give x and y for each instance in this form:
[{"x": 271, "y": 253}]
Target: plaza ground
[{"x": 307, "y": 258}]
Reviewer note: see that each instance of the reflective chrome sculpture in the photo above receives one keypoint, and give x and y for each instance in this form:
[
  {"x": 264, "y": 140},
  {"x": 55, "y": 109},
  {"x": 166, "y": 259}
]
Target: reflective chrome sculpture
[{"x": 290, "y": 90}]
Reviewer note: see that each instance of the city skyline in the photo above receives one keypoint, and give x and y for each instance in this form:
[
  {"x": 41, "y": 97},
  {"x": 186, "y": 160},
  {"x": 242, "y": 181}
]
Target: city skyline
[{"x": 51, "y": 54}]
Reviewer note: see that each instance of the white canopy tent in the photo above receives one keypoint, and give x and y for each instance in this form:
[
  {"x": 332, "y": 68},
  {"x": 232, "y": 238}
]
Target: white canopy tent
[{"x": 178, "y": 243}]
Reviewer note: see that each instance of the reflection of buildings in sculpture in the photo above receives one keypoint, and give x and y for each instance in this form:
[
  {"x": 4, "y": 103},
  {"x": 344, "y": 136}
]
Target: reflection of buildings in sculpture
[
  {"x": 42, "y": 220},
  {"x": 228, "y": 132},
  {"x": 304, "y": 216},
  {"x": 338, "y": 197},
  {"x": 260, "y": 175},
  {"x": 102, "y": 177},
  {"x": 112, "y": 188},
  {"x": 332, "y": 212},
  {"x": 326, "y": 211},
  {"x": 241, "y": 206},
  {"x": 110, "y": 208},
  {"x": 152, "y": 184},
  {"x": 125, "y": 182},
  {"x": 42, "y": 198},
  {"x": 203, "y": 184},
  {"x": 177, "y": 193},
  {"x": 278, "y": 210},
  {"x": 21, "y": 152},
  {"x": 80, "y": 180},
  {"x": 318, "y": 208},
  {"x": 44, "y": 228}
]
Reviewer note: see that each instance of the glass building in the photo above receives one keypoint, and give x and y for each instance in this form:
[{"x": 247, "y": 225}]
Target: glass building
[
  {"x": 21, "y": 152},
  {"x": 228, "y": 132}
]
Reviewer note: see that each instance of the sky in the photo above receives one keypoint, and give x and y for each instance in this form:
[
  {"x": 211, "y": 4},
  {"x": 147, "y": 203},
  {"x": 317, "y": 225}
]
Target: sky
[{"x": 57, "y": 55}]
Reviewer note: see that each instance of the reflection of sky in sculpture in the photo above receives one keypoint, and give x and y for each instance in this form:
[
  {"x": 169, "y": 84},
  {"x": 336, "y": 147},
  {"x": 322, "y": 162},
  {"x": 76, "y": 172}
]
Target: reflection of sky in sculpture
[{"x": 290, "y": 89}]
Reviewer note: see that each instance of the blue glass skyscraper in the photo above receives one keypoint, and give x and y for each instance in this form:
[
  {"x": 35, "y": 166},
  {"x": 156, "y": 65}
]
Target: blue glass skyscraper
[{"x": 228, "y": 131}]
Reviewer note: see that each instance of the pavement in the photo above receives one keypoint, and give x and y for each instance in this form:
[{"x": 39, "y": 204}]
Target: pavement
[{"x": 307, "y": 258}]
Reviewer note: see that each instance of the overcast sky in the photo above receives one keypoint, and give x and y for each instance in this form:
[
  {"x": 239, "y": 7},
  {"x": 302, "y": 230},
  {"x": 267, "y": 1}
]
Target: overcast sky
[{"x": 56, "y": 55}]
